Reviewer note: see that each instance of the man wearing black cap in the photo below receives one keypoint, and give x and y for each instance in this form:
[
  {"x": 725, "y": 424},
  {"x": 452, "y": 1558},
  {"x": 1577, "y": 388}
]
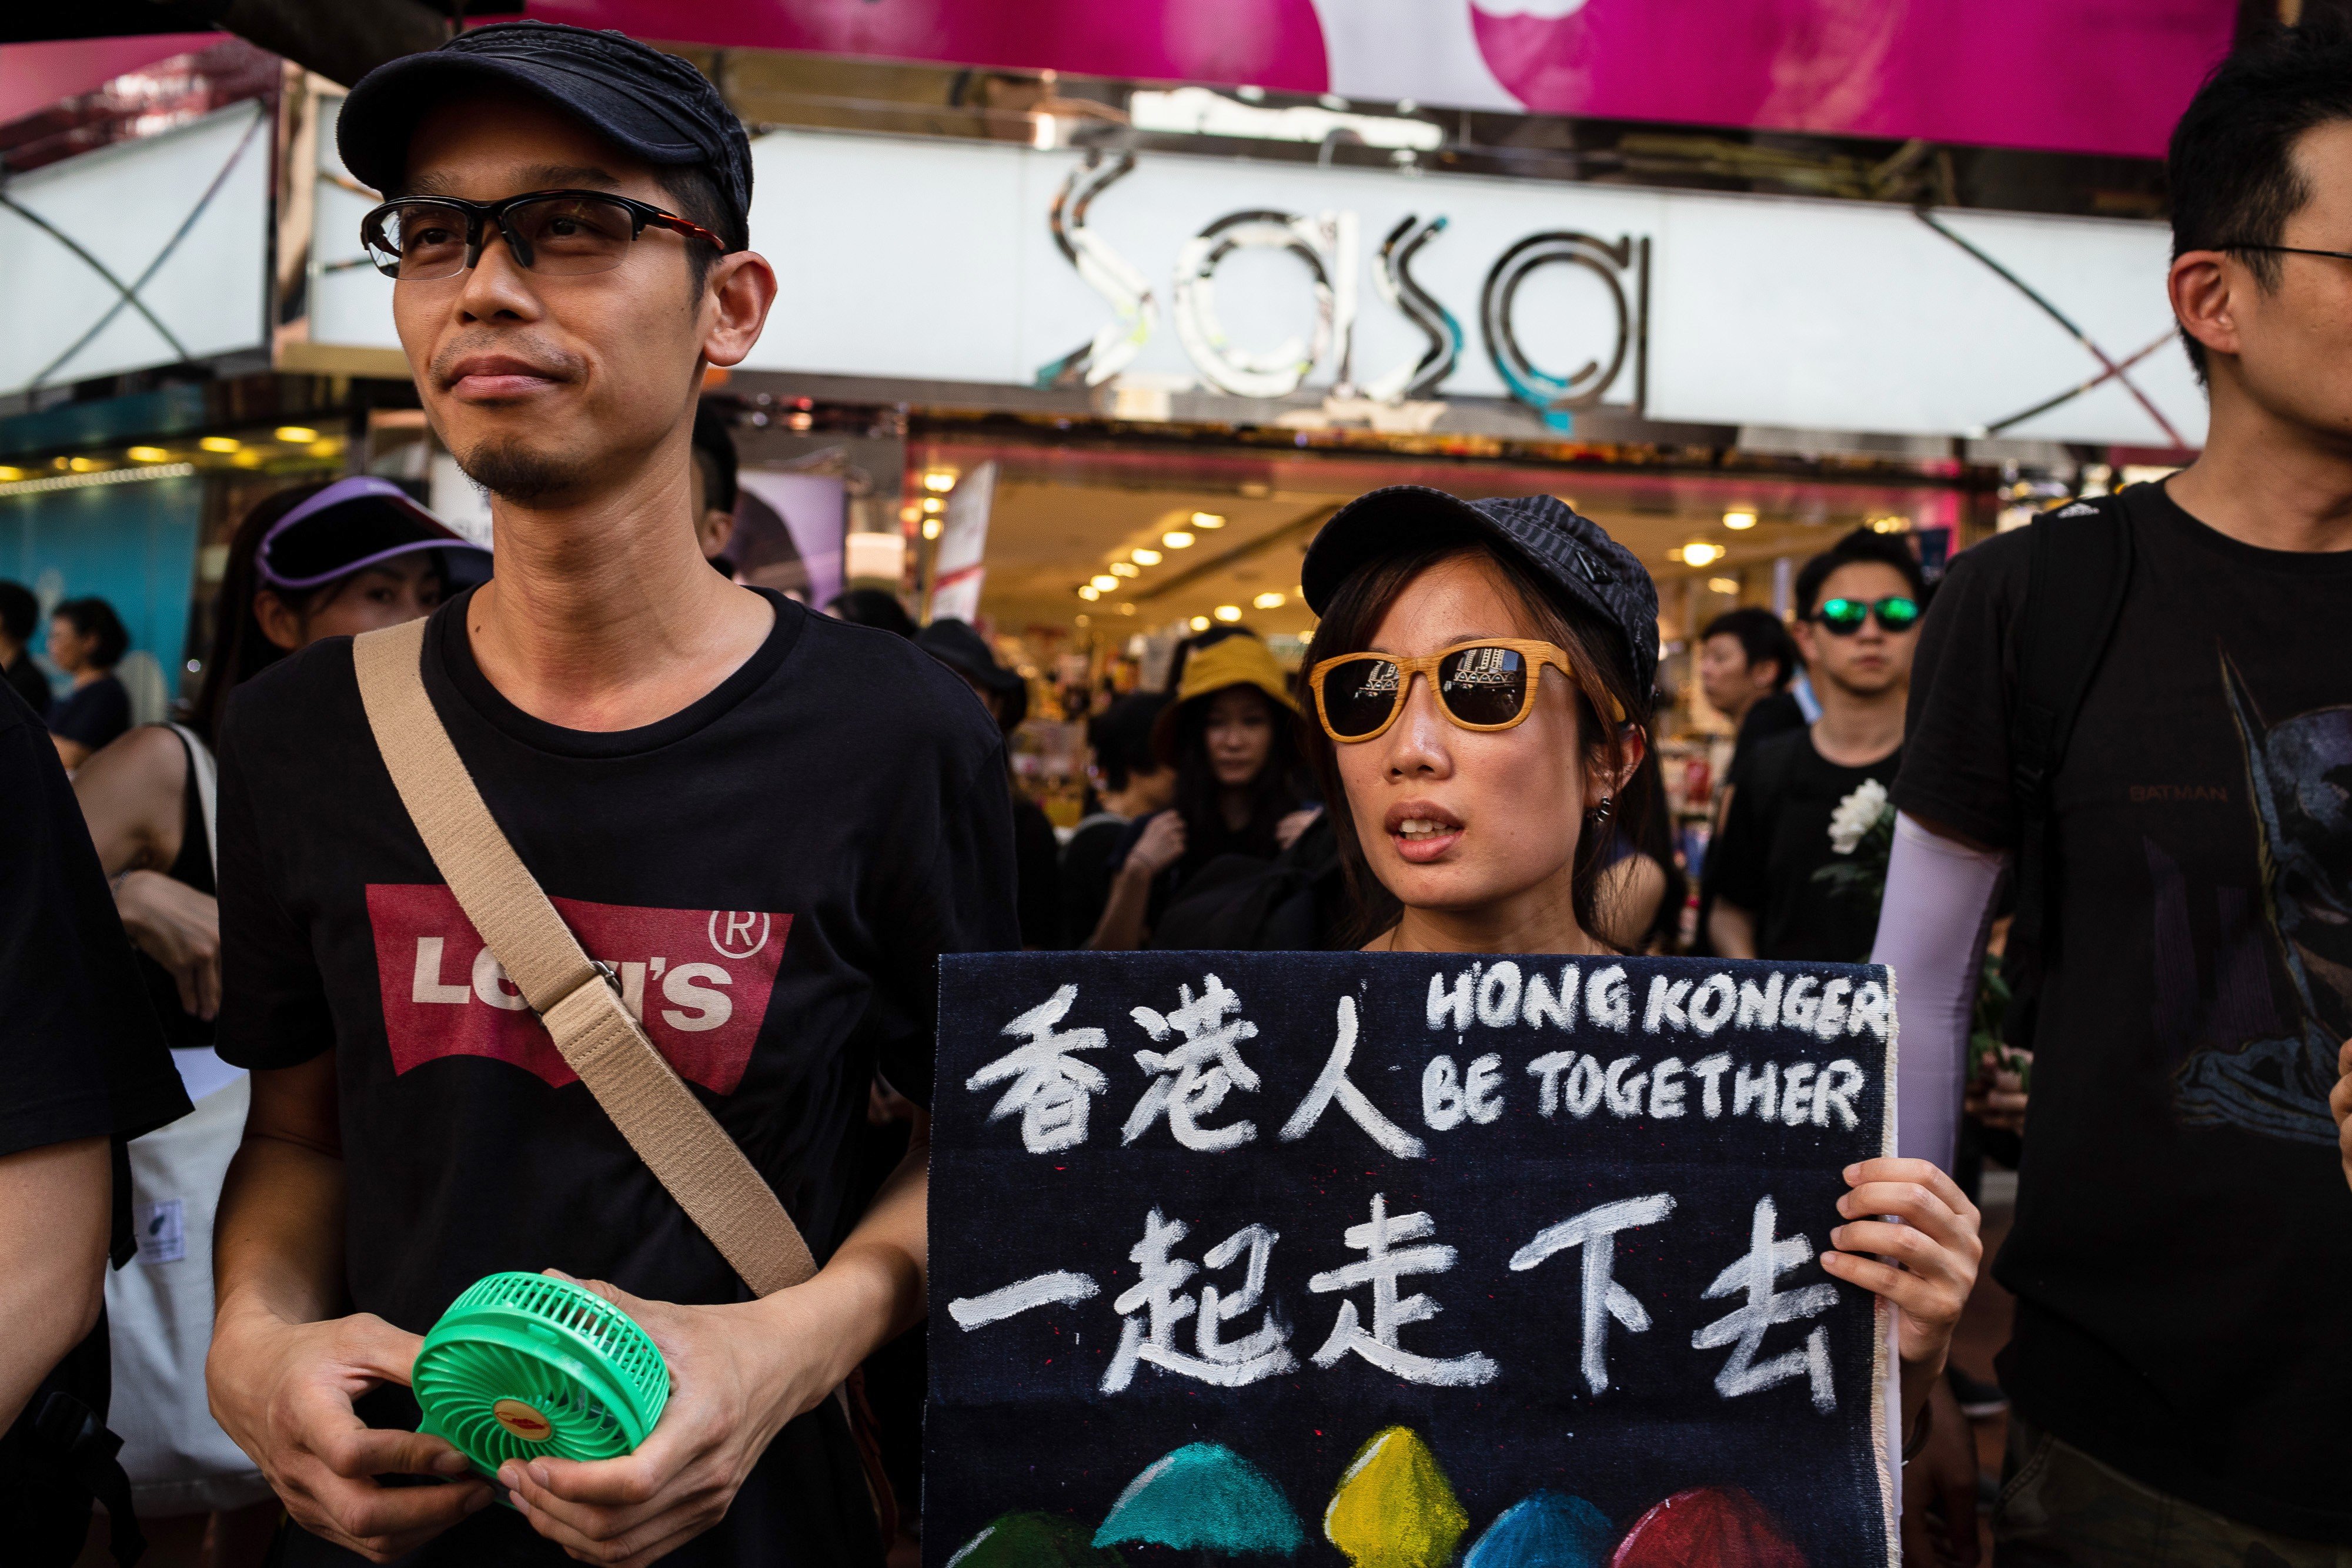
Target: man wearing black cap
[{"x": 565, "y": 227}]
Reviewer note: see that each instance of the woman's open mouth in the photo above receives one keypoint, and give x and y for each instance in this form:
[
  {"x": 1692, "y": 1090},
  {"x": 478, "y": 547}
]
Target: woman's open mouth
[{"x": 1421, "y": 834}]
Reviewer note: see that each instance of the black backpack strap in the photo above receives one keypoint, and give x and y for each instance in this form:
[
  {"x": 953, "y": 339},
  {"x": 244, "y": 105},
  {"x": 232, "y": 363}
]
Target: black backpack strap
[{"x": 2079, "y": 565}]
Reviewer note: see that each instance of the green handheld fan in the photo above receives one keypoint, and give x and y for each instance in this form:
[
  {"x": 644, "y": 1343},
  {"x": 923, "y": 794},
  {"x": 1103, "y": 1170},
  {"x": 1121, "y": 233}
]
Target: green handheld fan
[{"x": 526, "y": 1364}]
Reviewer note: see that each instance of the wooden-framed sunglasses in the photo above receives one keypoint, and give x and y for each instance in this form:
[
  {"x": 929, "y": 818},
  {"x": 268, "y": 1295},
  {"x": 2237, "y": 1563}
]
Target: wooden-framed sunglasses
[{"x": 1485, "y": 685}]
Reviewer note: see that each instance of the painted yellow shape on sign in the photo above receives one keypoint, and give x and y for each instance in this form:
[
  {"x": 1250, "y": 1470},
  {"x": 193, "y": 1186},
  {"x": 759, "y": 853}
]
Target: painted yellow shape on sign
[{"x": 1394, "y": 1508}]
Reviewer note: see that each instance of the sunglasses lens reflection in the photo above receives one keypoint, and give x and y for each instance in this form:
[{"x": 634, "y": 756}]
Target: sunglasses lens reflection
[
  {"x": 1483, "y": 685},
  {"x": 1359, "y": 696}
]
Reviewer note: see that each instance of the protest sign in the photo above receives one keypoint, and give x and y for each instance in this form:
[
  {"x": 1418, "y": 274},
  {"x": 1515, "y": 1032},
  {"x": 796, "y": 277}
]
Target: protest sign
[{"x": 1399, "y": 1259}]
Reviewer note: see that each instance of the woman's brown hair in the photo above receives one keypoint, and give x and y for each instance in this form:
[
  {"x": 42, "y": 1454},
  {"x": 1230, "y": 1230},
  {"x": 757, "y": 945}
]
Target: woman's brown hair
[{"x": 1604, "y": 679}]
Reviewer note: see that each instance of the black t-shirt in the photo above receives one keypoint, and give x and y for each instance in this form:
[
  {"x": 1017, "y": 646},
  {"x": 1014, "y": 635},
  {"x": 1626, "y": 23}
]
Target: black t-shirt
[
  {"x": 1038, "y": 857},
  {"x": 80, "y": 1053},
  {"x": 31, "y": 685},
  {"x": 2182, "y": 1255},
  {"x": 92, "y": 714},
  {"x": 80, "y": 1057},
  {"x": 1085, "y": 874},
  {"x": 1767, "y": 718},
  {"x": 773, "y": 870},
  {"x": 1778, "y": 835}
]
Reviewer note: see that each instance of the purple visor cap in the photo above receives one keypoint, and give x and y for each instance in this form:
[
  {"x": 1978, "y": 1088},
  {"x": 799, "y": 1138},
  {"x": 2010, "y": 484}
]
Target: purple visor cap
[{"x": 350, "y": 526}]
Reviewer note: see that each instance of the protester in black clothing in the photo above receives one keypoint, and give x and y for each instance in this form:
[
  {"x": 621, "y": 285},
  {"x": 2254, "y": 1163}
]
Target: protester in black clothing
[
  {"x": 1130, "y": 782},
  {"x": 713, "y": 478},
  {"x": 82, "y": 1070},
  {"x": 1747, "y": 658},
  {"x": 1232, "y": 736},
  {"x": 875, "y": 607},
  {"x": 771, "y": 822},
  {"x": 1006, "y": 694},
  {"x": 2183, "y": 1241},
  {"x": 87, "y": 640},
  {"x": 20, "y": 614},
  {"x": 1809, "y": 800}
]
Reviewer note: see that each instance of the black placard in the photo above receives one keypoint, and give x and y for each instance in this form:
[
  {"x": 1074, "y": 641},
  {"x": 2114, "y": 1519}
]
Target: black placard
[{"x": 1403, "y": 1260}]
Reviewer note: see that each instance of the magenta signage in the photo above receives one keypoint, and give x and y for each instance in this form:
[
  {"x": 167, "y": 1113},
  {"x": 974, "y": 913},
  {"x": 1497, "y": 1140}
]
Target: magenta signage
[{"x": 2077, "y": 76}]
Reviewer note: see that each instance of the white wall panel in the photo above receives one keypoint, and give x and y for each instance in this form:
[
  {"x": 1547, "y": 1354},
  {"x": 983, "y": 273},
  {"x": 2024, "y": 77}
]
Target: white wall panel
[{"x": 124, "y": 205}]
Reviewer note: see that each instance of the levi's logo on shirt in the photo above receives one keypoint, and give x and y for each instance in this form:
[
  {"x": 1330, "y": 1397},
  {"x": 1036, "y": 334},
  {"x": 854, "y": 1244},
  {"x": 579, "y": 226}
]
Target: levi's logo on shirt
[{"x": 697, "y": 980}]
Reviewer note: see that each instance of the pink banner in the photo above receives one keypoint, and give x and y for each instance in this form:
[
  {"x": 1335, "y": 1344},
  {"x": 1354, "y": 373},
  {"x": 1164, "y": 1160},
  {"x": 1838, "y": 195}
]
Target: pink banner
[{"x": 2076, "y": 76}]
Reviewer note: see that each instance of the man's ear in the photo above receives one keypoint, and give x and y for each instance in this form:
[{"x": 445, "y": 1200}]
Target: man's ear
[
  {"x": 2204, "y": 285},
  {"x": 742, "y": 289},
  {"x": 278, "y": 620}
]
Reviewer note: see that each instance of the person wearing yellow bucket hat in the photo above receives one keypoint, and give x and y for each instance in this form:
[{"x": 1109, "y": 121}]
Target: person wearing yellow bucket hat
[{"x": 1232, "y": 735}]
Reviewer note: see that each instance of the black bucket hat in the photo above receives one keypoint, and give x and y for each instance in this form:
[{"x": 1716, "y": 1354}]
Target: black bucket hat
[
  {"x": 649, "y": 103},
  {"x": 1568, "y": 550},
  {"x": 954, "y": 643}
]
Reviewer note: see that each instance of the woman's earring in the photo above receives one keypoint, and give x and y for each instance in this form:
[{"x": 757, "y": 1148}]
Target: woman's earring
[{"x": 1605, "y": 810}]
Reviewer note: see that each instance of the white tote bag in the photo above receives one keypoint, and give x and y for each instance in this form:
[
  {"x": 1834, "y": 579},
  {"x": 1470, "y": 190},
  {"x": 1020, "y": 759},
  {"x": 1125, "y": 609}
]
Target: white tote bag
[{"x": 158, "y": 1307}]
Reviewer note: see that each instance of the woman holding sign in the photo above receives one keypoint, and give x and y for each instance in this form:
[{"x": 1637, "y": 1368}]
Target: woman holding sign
[{"x": 1480, "y": 677}]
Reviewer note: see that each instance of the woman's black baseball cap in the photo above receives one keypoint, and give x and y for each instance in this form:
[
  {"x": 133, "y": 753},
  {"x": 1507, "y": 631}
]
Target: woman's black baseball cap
[
  {"x": 651, "y": 104},
  {"x": 1566, "y": 549}
]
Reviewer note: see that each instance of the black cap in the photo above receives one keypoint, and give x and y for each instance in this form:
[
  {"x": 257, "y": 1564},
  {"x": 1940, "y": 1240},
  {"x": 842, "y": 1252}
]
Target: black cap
[
  {"x": 1569, "y": 550},
  {"x": 649, "y": 103},
  {"x": 954, "y": 643}
]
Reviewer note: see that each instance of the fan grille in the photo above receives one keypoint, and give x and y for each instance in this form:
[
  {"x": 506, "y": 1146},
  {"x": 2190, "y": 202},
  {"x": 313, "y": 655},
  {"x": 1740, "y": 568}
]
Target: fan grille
[{"x": 526, "y": 1364}]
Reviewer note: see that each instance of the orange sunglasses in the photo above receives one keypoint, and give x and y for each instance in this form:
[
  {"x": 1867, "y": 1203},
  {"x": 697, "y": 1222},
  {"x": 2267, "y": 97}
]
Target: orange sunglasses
[{"x": 1484, "y": 686}]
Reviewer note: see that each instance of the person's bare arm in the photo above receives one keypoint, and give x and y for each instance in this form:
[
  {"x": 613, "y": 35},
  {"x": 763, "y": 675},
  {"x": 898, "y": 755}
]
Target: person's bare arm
[
  {"x": 55, "y": 1203},
  {"x": 1160, "y": 846},
  {"x": 740, "y": 1372},
  {"x": 1732, "y": 930},
  {"x": 72, "y": 753},
  {"x": 285, "y": 1366},
  {"x": 130, "y": 794}
]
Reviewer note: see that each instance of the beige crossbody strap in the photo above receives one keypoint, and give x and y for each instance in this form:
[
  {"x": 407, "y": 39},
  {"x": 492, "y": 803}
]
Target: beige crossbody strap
[{"x": 679, "y": 1140}]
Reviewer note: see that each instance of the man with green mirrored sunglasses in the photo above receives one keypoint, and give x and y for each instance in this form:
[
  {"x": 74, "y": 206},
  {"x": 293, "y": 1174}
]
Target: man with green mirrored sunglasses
[{"x": 1805, "y": 801}]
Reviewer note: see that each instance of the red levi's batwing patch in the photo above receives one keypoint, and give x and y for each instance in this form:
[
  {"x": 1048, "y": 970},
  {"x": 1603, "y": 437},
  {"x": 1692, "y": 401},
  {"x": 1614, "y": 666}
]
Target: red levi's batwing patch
[{"x": 698, "y": 980}]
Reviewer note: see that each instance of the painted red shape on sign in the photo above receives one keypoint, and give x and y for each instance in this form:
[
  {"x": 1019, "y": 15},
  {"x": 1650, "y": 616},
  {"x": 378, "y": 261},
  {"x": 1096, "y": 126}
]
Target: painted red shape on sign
[
  {"x": 698, "y": 980},
  {"x": 1707, "y": 1527}
]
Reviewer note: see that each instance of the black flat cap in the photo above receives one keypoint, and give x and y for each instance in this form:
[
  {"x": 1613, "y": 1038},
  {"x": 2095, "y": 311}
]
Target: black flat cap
[
  {"x": 1567, "y": 549},
  {"x": 649, "y": 103}
]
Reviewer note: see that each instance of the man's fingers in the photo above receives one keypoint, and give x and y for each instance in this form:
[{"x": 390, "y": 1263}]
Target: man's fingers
[
  {"x": 364, "y": 1511},
  {"x": 1902, "y": 1244},
  {"x": 367, "y": 1343},
  {"x": 365, "y": 1451},
  {"x": 208, "y": 987},
  {"x": 1917, "y": 1205},
  {"x": 1917, "y": 1296}
]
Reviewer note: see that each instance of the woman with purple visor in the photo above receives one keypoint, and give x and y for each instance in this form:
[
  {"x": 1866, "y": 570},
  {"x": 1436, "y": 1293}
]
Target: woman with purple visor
[{"x": 310, "y": 562}]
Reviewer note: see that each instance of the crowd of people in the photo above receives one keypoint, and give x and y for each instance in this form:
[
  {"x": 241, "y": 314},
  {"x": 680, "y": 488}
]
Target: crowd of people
[{"x": 249, "y": 1038}]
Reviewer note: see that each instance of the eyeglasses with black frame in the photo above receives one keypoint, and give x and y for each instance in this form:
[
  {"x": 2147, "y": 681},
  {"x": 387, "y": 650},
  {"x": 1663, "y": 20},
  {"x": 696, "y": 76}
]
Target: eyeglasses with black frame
[
  {"x": 1844, "y": 617},
  {"x": 2287, "y": 250},
  {"x": 558, "y": 233}
]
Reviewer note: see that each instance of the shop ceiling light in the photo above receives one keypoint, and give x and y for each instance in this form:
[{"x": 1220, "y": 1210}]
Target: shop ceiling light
[
  {"x": 1207, "y": 520},
  {"x": 149, "y": 455},
  {"x": 1699, "y": 552},
  {"x": 1126, "y": 610},
  {"x": 85, "y": 464},
  {"x": 1090, "y": 592},
  {"x": 324, "y": 448},
  {"x": 296, "y": 434},
  {"x": 1229, "y": 611},
  {"x": 1198, "y": 623},
  {"x": 14, "y": 483},
  {"x": 1739, "y": 519},
  {"x": 1103, "y": 582},
  {"x": 1270, "y": 600},
  {"x": 1889, "y": 525},
  {"x": 1144, "y": 557},
  {"x": 1729, "y": 585},
  {"x": 933, "y": 504},
  {"x": 220, "y": 444},
  {"x": 1176, "y": 539},
  {"x": 1125, "y": 569},
  {"x": 938, "y": 479},
  {"x": 931, "y": 527}
]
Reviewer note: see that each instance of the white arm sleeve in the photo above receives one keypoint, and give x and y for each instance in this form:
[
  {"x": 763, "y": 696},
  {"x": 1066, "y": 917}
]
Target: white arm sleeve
[{"x": 1931, "y": 933}]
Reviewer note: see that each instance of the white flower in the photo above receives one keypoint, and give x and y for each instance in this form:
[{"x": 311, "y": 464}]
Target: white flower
[{"x": 1857, "y": 815}]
